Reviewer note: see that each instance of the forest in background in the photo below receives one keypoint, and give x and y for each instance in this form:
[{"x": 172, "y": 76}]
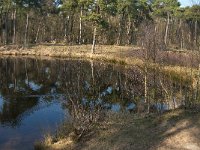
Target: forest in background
[
  {"x": 159, "y": 37},
  {"x": 105, "y": 22}
]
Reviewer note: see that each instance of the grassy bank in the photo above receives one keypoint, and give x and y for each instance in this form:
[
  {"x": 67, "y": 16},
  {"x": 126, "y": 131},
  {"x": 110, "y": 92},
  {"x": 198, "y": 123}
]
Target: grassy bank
[
  {"x": 122, "y": 130},
  {"x": 126, "y": 55},
  {"x": 177, "y": 129},
  {"x": 106, "y": 52}
]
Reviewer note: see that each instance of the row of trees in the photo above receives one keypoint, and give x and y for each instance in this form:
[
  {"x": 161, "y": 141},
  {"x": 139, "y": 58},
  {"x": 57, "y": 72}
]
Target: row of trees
[{"x": 105, "y": 21}]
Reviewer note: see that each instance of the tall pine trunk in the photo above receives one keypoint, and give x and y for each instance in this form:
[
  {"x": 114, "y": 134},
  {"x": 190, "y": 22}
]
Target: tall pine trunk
[
  {"x": 167, "y": 28},
  {"x": 66, "y": 26},
  {"x": 119, "y": 37},
  {"x": 94, "y": 40},
  {"x": 195, "y": 30},
  {"x": 37, "y": 34},
  {"x": 181, "y": 34},
  {"x": 129, "y": 26},
  {"x": 198, "y": 83},
  {"x": 5, "y": 29},
  {"x": 80, "y": 26},
  {"x": 26, "y": 29},
  {"x": 14, "y": 27}
]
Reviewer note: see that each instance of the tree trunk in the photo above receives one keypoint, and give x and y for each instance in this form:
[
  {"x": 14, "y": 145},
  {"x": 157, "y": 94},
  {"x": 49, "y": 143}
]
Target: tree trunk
[
  {"x": 129, "y": 31},
  {"x": 14, "y": 27},
  {"x": 195, "y": 36},
  {"x": 5, "y": 29},
  {"x": 94, "y": 40},
  {"x": 197, "y": 93},
  {"x": 119, "y": 31},
  {"x": 80, "y": 26},
  {"x": 14, "y": 75},
  {"x": 92, "y": 71},
  {"x": 71, "y": 37},
  {"x": 180, "y": 34},
  {"x": 43, "y": 38},
  {"x": 37, "y": 34},
  {"x": 167, "y": 28},
  {"x": 145, "y": 84},
  {"x": 26, "y": 70},
  {"x": 66, "y": 28},
  {"x": 26, "y": 30}
]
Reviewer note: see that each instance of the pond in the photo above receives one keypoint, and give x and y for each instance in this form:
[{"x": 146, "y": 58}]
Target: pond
[{"x": 35, "y": 94}]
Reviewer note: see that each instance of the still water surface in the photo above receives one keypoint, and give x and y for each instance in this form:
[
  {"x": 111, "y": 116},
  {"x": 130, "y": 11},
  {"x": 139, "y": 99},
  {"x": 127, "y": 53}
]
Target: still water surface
[
  {"x": 33, "y": 94},
  {"x": 36, "y": 95}
]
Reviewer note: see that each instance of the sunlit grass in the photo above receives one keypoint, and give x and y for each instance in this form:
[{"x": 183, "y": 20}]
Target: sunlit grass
[
  {"x": 135, "y": 131},
  {"x": 110, "y": 53}
]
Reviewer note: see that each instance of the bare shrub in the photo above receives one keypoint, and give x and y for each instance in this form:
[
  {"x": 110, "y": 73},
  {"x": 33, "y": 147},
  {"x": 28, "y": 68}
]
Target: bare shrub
[{"x": 85, "y": 116}]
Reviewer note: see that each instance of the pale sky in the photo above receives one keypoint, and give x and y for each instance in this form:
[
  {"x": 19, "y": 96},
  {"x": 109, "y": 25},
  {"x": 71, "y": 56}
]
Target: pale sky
[{"x": 185, "y": 3}]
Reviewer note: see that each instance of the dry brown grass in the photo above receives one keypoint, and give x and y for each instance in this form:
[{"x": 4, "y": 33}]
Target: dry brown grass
[
  {"x": 125, "y": 55},
  {"x": 173, "y": 130},
  {"x": 107, "y": 52},
  {"x": 177, "y": 129}
]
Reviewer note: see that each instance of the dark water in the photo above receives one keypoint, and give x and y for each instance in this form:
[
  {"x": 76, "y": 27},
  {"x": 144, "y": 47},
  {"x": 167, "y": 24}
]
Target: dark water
[{"x": 34, "y": 94}]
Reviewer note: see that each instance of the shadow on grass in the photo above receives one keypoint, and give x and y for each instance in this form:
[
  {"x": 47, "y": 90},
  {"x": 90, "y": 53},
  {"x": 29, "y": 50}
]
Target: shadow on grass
[{"x": 178, "y": 129}]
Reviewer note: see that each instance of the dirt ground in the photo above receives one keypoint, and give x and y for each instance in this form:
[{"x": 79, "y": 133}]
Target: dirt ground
[{"x": 175, "y": 130}]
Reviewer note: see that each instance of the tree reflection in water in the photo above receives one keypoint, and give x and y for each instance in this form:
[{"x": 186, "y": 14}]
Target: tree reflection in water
[
  {"x": 25, "y": 81},
  {"x": 85, "y": 89},
  {"x": 89, "y": 85}
]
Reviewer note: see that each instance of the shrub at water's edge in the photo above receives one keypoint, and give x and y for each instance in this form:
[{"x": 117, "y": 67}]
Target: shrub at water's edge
[{"x": 133, "y": 131}]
